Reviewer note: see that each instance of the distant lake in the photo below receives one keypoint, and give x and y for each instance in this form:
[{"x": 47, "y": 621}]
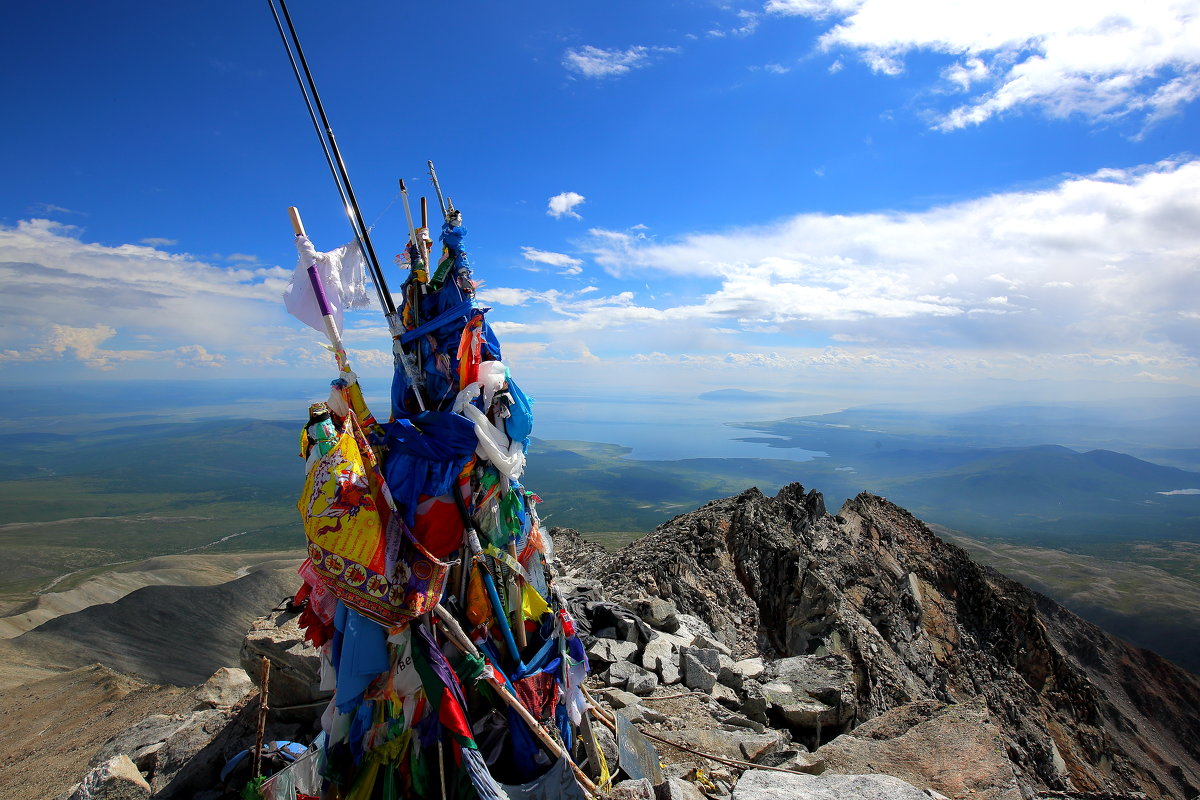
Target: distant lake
[
  {"x": 669, "y": 429},
  {"x": 655, "y": 428}
]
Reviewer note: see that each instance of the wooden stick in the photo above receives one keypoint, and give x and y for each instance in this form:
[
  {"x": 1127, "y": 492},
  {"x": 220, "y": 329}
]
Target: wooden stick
[
  {"x": 589, "y": 744},
  {"x": 514, "y": 590},
  {"x": 297, "y": 225},
  {"x": 442, "y": 769},
  {"x": 455, "y": 633},
  {"x": 263, "y": 708}
]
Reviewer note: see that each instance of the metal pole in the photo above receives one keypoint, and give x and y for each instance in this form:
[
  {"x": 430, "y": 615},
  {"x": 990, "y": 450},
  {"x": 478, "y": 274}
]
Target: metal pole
[
  {"x": 389, "y": 308},
  {"x": 436, "y": 187}
]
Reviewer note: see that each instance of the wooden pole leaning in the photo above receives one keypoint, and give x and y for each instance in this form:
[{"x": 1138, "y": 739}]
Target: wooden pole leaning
[
  {"x": 455, "y": 634},
  {"x": 261, "y": 730}
]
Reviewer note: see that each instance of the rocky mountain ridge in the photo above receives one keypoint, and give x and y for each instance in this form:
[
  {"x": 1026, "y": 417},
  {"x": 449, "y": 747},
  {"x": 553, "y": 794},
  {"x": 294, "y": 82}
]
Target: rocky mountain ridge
[
  {"x": 914, "y": 621},
  {"x": 770, "y": 649}
]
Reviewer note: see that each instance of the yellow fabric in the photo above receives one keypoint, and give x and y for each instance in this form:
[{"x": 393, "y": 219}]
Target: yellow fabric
[
  {"x": 605, "y": 782},
  {"x": 532, "y": 603},
  {"x": 339, "y": 512},
  {"x": 387, "y": 753}
]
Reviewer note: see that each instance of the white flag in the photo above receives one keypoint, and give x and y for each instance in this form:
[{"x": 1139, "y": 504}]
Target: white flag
[{"x": 343, "y": 277}]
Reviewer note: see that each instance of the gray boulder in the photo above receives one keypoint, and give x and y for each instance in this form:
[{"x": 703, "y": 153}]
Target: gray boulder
[
  {"x": 115, "y": 779},
  {"x": 669, "y": 672},
  {"x": 659, "y": 614},
  {"x": 758, "y": 784},
  {"x": 658, "y": 651},
  {"x": 811, "y": 691},
  {"x": 605, "y": 652},
  {"x": 619, "y": 699},
  {"x": 952, "y": 749},
  {"x": 751, "y": 668},
  {"x": 641, "y": 682},
  {"x": 736, "y": 743},
  {"x": 227, "y": 687},
  {"x": 295, "y": 664},
  {"x": 640, "y": 789},
  {"x": 676, "y": 789},
  {"x": 176, "y": 760},
  {"x": 695, "y": 669},
  {"x": 153, "y": 730}
]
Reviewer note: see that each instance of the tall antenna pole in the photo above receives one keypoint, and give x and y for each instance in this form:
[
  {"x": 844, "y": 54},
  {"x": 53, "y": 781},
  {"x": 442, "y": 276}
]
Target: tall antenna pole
[{"x": 356, "y": 218}]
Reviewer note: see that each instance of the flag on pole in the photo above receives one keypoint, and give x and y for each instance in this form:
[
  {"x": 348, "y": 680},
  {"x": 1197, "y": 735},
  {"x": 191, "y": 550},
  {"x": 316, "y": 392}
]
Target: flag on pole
[{"x": 343, "y": 276}]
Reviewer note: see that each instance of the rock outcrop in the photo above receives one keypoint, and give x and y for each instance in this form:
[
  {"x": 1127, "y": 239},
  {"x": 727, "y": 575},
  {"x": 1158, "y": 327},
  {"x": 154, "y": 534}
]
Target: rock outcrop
[
  {"x": 764, "y": 648},
  {"x": 868, "y": 613}
]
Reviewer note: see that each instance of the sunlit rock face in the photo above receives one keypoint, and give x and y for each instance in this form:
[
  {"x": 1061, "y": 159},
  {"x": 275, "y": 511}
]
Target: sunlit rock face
[{"x": 866, "y": 612}]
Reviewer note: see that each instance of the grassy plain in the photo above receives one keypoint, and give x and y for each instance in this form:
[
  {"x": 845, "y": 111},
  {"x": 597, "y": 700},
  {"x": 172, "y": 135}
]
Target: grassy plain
[{"x": 1088, "y": 528}]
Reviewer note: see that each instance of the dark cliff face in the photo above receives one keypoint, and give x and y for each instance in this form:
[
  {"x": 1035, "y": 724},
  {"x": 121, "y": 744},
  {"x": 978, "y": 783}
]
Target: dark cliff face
[{"x": 919, "y": 620}]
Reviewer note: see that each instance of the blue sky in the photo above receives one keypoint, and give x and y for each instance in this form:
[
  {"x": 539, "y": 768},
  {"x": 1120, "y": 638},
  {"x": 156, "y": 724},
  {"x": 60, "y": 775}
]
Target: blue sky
[{"x": 860, "y": 199}]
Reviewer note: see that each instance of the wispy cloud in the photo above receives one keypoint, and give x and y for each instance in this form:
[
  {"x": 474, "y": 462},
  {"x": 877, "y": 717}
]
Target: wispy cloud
[
  {"x": 595, "y": 62},
  {"x": 1102, "y": 60},
  {"x": 563, "y": 205},
  {"x": 567, "y": 265},
  {"x": 157, "y": 241},
  {"x": 51, "y": 208}
]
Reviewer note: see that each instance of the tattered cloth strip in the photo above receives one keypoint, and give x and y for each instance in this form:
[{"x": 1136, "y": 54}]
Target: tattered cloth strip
[
  {"x": 342, "y": 276},
  {"x": 538, "y": 693},
  {"x": 557, "y": 784},
  {"x": 426, "y": 454},
  {"x": 438, "y": 525}
]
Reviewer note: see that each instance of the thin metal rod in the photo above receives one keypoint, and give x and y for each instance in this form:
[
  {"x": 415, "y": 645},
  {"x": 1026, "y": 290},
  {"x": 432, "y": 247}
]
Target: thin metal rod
[
  {"x": 412, "y": 230},
  {"x": 360, "y": 225},
  {"x": 436, "y": 186},
  {"x": 312, "y": 115}
]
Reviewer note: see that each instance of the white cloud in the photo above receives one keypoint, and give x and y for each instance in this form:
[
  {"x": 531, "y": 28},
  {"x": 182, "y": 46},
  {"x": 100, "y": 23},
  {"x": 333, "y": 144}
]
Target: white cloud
[
  {"x": 157, "y": 241},
  {"x": 51, "y": 208},
  {"x": 563, "y": 204},
  {"x": 1126, "y": 243},
  {"x": 566, "y": 264},
  {"x": 1180, "y": 492},
  {"x": 105, "y": 307},
  {"x": 500, "y": 296},
  {"x": 85, "y": 346},
  {"x": 1101, "y": 59},
  {"x": 596, "y": 62},
  {"x": 747, "y": 23}
]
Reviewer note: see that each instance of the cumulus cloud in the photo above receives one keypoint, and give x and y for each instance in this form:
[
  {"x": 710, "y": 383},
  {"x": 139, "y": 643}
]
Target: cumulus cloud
[
  {"x": 86, "y": 346},
  {"x": 596, "y": 62},
  {"x": 1102, "y": 59},
  {"x": 501, "y": 296},
  {"x": 106, "y": 307},
  {"x": 567, "y": 265},
  {"x": 1100, "y": 268},
  {"x": 563, "y": 204}
]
